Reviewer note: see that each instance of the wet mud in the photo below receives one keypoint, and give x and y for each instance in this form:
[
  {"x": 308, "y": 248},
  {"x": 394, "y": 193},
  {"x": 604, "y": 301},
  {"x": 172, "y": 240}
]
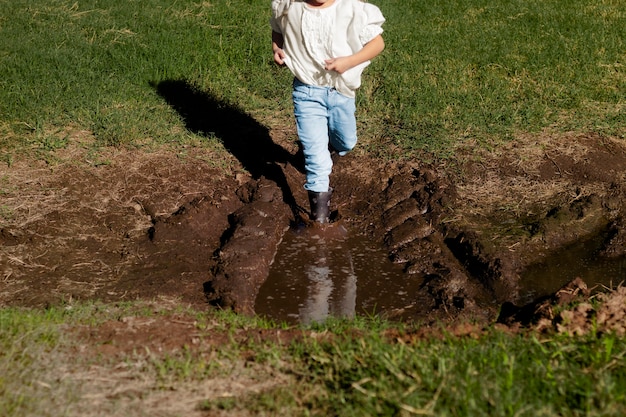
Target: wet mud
[
  {"x": 249, "y": 248},
  {"x": 462, "y": 236}
]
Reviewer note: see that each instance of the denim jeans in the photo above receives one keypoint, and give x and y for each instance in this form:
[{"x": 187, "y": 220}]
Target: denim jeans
[{"x": 323, "y": 117}]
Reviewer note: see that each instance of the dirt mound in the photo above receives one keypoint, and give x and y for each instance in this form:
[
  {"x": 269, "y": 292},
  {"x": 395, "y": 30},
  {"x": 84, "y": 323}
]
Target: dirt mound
[
  {"x": 607, "y": 316},
  {"x": 145, "y": 225},
  {"x": 249, "y": 248}
]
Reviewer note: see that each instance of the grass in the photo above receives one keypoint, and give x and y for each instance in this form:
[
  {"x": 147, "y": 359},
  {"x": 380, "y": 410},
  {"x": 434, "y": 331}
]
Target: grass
[
  {"x": 452, "y": 70},
  {"x": 96, "y": 65},
  {"x": 26, "y": 340},
  {"x": 362, "y": 368},
  {"x": 495, "y": 375},
  {"x": 481, "y": 69}
]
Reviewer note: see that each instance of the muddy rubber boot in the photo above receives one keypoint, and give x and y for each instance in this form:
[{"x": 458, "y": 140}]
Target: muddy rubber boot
[{"x": 320, "y": 206}]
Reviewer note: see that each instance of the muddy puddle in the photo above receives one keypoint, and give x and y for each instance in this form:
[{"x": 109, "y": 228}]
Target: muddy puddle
[
  {"x": 580, "y": 260},
  {"x": 318, "y": 274},
  {"x": 422, "y": 244},
  {"x": 321, "y": 274}
]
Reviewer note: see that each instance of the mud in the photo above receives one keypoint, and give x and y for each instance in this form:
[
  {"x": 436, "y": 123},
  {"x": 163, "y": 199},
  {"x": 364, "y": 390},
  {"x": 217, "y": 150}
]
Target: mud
[
  {"x": 249, "y": 248},
  {"x": 147, "y": 225}
]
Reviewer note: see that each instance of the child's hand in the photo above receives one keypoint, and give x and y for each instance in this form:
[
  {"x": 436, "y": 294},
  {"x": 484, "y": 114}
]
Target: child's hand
[
  {"x": 279, "y": 56},
  {"x": 368, "y": 52},
  {"x": 277, "y": 48},
  {"x": 340, "y": 65}
]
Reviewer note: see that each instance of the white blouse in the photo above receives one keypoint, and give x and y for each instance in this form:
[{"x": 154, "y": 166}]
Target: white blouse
[
  {"x": 313, "y": 35},
  {"x": 317, "y": 31}
]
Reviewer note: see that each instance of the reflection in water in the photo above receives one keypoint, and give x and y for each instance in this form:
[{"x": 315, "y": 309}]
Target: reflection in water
[
  {"x": 330, "y": 273},
  {"x": 325, "y": 297}
]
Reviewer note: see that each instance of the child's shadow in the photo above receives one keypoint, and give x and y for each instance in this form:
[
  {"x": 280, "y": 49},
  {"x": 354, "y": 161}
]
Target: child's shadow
[{"x": 248, "y": 140}]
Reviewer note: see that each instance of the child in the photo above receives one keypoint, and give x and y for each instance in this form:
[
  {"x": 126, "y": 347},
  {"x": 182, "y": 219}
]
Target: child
[{"x": 326, "y": 44}]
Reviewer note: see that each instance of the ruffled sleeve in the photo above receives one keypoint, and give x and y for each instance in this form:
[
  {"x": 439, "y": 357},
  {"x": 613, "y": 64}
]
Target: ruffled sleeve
[
  {"x": 279, "y": 9},
  {"x": 374, "y": 20}
]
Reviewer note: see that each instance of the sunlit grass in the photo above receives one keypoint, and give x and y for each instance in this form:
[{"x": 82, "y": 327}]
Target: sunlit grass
[
  {"x": 451, "y": 71},
  {"x": 455, "y": 70}
]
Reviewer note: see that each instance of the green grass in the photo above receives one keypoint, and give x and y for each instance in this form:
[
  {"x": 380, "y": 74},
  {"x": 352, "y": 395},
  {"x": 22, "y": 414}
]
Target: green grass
[
  {"x": 26, "y": 339},
  {"x": 451, "y": 71},
  {"x": 95, "y": 64},
  {"x": 342, "y": 368},
  {"x": 485, "y": 69},
  {"x": 495, "y": 375}
]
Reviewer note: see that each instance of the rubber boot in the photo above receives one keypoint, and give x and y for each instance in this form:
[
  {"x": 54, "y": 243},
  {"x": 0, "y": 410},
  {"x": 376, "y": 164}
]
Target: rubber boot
[{"x": 320, "y": 205}]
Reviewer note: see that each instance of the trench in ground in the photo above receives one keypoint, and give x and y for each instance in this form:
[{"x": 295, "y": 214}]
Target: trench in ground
[{"x": 314, "y": 277}]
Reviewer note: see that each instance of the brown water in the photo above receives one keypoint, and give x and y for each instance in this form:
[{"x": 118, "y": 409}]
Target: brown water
[
  {"x": 579, "y": 260},
  {"x": 319, "y": 274}
]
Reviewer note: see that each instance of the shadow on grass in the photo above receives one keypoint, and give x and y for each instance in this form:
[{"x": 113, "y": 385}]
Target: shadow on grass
[{"x": 248, "y": 140}]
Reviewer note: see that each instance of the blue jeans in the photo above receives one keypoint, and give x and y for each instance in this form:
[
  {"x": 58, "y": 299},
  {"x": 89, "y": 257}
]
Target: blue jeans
[{"x": 323, "y": 117}]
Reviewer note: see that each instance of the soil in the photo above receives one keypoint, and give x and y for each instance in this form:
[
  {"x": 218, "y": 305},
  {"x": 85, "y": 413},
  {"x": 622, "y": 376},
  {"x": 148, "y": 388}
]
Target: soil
[
  {"x": 200, "y": 229},
  {"x": 145, "y": 225}
]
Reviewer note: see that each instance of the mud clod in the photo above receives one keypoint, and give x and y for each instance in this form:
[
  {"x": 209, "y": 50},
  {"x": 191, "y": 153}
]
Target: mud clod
[
  {"x": 615, "y": 244},
  {"x": 248, "y": 251},
  {"x": 415, "y": 228},
  {"x": 400, "y": 213}
]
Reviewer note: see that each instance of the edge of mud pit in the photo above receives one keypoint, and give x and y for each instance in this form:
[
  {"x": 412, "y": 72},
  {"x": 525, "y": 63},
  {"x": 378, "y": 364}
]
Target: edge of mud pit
[{"x": 402, "y": 208}]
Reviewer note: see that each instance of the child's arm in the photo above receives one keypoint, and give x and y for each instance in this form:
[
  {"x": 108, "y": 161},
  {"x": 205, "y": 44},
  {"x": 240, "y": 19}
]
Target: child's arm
[
  {"x": 277, "y": 47},
  {"x": 344, "y": 63}
]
